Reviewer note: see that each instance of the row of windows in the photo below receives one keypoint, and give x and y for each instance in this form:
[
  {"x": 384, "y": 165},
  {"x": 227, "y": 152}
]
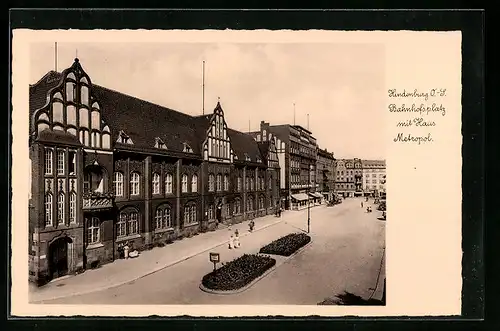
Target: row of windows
[
  {"x": 135, "y": 184},
  {"x": 128, "y": 222},
  {"x": 59, "y": 110},
  {"x": 373, "y": 180},
  {"x": 61, "y": 164},
  {"x": 61, "y": 203}
]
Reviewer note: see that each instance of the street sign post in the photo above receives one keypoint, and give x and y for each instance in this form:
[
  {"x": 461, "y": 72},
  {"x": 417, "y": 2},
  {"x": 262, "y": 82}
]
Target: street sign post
[{"x": 215, "y": 258}]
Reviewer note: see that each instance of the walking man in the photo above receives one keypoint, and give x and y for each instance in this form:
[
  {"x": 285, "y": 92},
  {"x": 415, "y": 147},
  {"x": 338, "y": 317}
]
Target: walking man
[{"x": 361, "y": 204}]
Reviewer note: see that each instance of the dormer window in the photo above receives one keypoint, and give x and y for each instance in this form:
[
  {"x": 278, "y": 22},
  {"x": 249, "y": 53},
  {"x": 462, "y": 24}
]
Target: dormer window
[
  {"x": 159, "y": 143},
  {"x": 124, "y": 138},
  {"x": 259, "y": 160},
  {"x": 187, "y": 148},
  {"x": 247, "y": 157}
]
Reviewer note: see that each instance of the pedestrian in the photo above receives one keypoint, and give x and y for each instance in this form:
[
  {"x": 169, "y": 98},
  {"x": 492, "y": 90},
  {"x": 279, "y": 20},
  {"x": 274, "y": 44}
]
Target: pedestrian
[
  {"x": 236, "y": 239},
  {"x": 251, "y": 225},
  {"x": 125, "y": 250},
  {"x": 231, "y": 242},
  {"x": 361, "y": 204}
]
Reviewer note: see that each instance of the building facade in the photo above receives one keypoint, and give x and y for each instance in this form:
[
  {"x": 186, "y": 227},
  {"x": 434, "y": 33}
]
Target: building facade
[
  {"x": 297, "y": 152},
  {"x": 109, "y": 169},
  {"x": 325, "y": 178},
  {"x": 348, "y": 177},
  {"x": 374, "y": 177}
]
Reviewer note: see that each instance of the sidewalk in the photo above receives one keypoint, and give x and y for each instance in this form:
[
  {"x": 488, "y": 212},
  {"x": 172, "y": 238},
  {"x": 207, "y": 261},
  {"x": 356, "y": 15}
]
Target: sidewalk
[{"x": 121, "y": 272}]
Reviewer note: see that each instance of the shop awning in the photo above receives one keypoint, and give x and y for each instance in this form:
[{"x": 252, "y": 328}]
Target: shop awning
[
  {"x": 300, "y": 196},
  {"x": 316, "y": 195}
]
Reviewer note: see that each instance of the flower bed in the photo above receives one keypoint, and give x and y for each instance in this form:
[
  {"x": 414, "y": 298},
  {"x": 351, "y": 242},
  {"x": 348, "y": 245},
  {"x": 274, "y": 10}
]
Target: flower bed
[
  {"x": 286, "y": 245},
  {"x": 238, "y": 273}
]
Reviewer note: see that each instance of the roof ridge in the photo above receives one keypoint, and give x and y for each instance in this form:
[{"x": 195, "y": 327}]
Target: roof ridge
[
  {"x": 142, "y": 100},
  {"x": 51, "y": 72}
]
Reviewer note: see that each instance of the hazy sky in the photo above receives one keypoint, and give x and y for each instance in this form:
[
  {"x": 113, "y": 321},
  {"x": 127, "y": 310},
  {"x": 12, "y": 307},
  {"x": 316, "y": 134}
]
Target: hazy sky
[{"x": 341, "y": 86}]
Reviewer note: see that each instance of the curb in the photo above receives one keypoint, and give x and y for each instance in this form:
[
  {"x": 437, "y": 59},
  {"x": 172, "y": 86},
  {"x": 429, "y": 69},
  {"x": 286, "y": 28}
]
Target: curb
[
  {"x": 256, "y": 280},
  {"x": 102, "y": 288}
]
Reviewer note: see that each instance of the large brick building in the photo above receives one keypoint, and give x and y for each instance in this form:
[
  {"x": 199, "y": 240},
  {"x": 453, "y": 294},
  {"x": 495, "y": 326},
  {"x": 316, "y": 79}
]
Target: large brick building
[
  {"x": 297, "y": 153},
  {"x": 108, "y": 168},
  {"x": 325, "y": 176}
]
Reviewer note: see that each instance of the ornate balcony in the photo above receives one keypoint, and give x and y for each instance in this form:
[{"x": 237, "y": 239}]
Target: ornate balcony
[{"x": 97, "y": 200}]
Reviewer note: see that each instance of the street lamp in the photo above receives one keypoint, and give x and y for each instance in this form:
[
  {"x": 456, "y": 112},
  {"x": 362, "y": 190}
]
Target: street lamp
[{"x": 309, "y": 202}]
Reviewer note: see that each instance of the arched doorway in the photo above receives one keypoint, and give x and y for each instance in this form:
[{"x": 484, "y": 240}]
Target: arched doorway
[{"x": 59, "y": 257}]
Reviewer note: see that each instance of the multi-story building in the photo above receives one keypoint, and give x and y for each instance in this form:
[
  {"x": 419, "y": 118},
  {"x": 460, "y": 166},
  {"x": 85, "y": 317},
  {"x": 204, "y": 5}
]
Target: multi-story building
[
  {"x": 108, "y": 169},
  {"x": 374, "y": 177},
  {"x": 348, "y": 177},
  {"x": 325, "y": 173},
  {"x": 297, "y": 152}
]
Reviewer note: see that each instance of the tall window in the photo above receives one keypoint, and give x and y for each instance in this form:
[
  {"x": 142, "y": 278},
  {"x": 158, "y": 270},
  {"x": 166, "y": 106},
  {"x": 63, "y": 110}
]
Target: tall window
[
  {"x": 239, "y": 184},
  {"x": 93, "y": 233},
  {"x": 156, "y": 183},
  {"x": 210, "y": 212},
  {"x": 121, "y": 225},
  {"x": 60, "y": 162},
  {"x": 194, "y": 183},
  {"x": 250, "y": 203},
  {"x": 190, "y": 213},
  {"x": 247, "y": 184},
  {"x": 48, "y": 161},
  {"x": 133, "y": 223},
  {"x": 72, "y": 207},
  {"x": 184, "y": 183},
  {"x": 219, "y": 182},
  {"x": 72, "y": 162},
  {"x": 48, "y": 209},
  {"x": 211, "y": 182},
  {"x": 252, "y": 183},
  {"x": 163, "y": 217},
  {"x": 237, "y": 206},
  {"x": 134, "y": 183},
  {"x": 118, "y": 184},
  {"x": 226, "y": 183},
  {"x": 168, "y": 184},
  {"x": 60, "y": 208},
  {"x": 261, "y": 203}
]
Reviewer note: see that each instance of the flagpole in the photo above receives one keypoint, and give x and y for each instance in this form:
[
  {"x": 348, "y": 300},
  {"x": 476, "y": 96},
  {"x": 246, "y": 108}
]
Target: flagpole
[
  {"x": 294, "y": 113},
  {"x": 203, "y": 89},
  {"x": 55, "y": 56}
]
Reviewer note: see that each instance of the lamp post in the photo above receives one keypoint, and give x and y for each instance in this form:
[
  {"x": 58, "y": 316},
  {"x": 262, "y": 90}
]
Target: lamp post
[{"x": 309, "y": 202}]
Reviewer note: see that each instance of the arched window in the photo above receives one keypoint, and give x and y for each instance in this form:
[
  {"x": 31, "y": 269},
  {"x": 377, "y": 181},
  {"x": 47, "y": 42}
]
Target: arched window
[
  {"x": 71, "y": 115},
  {"x": 84, "y": 117},
  {"x": 93, "y": 231},
  {"x": 128, "y": 223},
  {"x": 96, "y": 141},
  {"x": 226, "y": 183},
  {"x": 250, "y": 203},
  {"x": 194, "y": 183},
  {"x": 95, "y": 120},
  {"x": 48, "y": 209},
  {"x": 118, "y": 184},
  {"x": 60, "y": 162},
  {"x": 184, "y": 183},
  {"x": 219, "y": 182},
  {"x": 168, "y": 184},
  {"x": 70, "y": 91},
  {"x": 252, "y": 183},
  {"x": 261, "y": 202},
  {"x": 134, "y": 183},
  {"x": 190, "y": 213},
  {"x": 84, "y": 95},
  {"x": 163, "y": 217},
  {"x": 210, "y": 212},
  {"x": 106, "y": 140},
  {"x": 42, "y": 126},
  {"x": 239, "y": 183},
  {"x": 57, "y": 112},
  {"x": 156, "y": 183},
  {"x": 211, "y": 182},
  {"x": 72, "y": 207}
]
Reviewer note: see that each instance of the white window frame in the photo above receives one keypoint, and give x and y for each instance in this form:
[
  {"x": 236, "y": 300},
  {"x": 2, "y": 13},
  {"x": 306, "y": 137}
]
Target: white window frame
[
  {"x": 184, "y": 183},
  {"x": 49, "y": 159},
  {"x": 48, "y": 209},
  {"x": 211, "y": 182},
  {"x": 121, "y": 225},
  {"x": 135, "y": 180},
  {"x": 156, "y": 183},
  {"x": 133, "y": 223},
  {"x": 61, "y": 198},
  {"x": 93, "y": 229},
  {"x": 72, "y": 207},
  {"x": 226, "y": 182},
  {"x": 219, "y": 182},
  {"x": 168, "y": 184},
  {"x": 60, "y": 161},
  {"x": 194, "y": 183},
  {"x": 118, "y": 184}
]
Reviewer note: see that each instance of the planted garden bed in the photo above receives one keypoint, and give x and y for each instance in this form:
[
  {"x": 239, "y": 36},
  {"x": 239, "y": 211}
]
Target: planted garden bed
[
  {"x": 286, "y": 245},
  {"x": 238, "y": 273}
]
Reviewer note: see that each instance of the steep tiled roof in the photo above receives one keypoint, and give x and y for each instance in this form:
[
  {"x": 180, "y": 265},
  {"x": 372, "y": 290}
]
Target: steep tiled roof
[
  {"x": 242, "y": 144},
  {"x": 59, "y": 137},
  {"x": 144, "y": 121}
]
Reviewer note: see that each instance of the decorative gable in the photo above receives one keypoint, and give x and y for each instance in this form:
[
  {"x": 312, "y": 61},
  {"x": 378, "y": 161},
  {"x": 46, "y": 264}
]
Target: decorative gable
[
  {"x": 217, "y": 146},
  {"x": 123, "y": 138},
  {"x": 159, "y": 143}
]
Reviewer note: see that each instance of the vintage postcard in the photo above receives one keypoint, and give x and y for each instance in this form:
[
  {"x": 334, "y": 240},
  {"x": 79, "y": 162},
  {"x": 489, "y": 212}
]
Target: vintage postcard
[{"x": 236, "y": 173}]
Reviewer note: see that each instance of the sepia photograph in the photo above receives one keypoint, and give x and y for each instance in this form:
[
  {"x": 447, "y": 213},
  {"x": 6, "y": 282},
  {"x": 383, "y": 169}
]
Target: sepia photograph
[{"x": 207, "y": 173}]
